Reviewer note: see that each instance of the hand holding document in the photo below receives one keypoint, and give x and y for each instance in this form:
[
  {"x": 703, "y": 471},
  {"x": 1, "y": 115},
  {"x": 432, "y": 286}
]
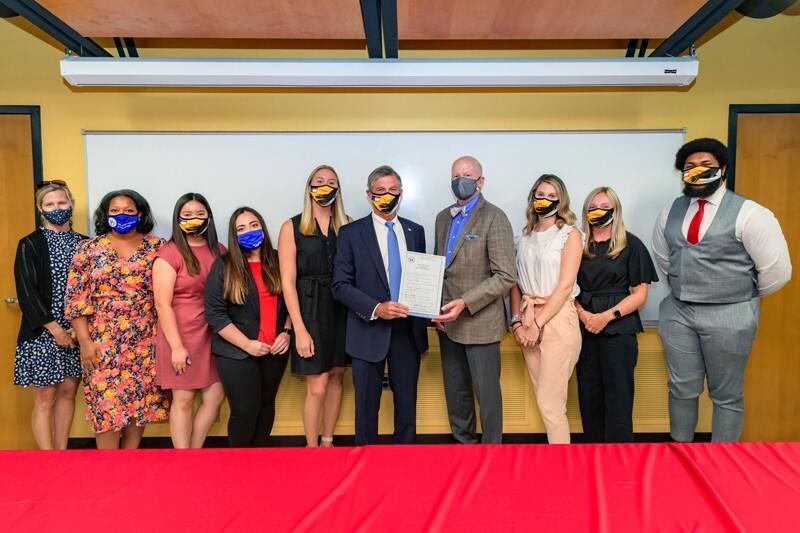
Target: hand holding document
[{"x": 421, "y": 284}]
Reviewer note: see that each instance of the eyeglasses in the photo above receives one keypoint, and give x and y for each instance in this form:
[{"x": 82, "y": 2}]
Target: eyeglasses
[{"x": 45, "y": 183}]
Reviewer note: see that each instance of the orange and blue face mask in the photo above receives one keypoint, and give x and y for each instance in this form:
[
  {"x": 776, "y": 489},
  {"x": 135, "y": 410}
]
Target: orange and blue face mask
[{"x": 324, "y": 195}]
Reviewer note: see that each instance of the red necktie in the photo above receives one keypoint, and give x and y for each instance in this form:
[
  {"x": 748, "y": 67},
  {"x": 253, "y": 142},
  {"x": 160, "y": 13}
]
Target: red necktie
[{"x": 694, "y": 226}]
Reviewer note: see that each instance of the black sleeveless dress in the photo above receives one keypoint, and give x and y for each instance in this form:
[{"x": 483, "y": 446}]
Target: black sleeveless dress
[{"x": 324, "y": 317}]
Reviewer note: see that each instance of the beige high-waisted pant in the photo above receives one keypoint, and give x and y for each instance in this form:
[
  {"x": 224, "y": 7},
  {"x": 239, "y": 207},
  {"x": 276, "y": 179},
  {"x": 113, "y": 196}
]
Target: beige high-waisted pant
[{"x": 550, "y": 364}]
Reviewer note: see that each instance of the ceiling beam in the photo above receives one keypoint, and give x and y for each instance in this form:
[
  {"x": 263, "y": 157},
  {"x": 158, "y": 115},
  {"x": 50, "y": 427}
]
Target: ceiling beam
[
  {"x": 56, "y": 28},
  {"x": 698, "y": 24}
]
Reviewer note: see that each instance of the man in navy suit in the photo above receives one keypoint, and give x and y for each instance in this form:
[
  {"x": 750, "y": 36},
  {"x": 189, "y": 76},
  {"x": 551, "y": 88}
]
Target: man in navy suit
[{"x": 366, "y": 279}]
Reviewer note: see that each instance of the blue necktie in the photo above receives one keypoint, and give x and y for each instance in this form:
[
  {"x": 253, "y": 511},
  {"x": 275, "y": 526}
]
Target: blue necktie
[{"x": 395, "y": 267}]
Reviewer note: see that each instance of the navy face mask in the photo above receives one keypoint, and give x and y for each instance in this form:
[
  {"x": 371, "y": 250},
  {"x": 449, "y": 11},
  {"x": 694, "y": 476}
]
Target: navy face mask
[
  {"x": 58, "y": 217},
  {"x": 122, "y": 223},
  {"x": 251, "y": 240}
]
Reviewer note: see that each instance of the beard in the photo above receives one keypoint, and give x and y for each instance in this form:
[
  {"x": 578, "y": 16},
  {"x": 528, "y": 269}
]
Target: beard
[{"x": 702, "y": 191}]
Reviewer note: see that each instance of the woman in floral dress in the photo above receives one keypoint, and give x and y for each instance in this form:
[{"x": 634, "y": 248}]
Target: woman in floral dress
[{"x": 109, "y": 299}]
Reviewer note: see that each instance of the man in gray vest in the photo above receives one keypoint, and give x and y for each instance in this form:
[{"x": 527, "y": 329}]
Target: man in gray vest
[{"x": 721, "y": 252}]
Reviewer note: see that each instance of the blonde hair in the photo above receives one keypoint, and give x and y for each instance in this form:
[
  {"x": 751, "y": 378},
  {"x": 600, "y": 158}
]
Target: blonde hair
[
  {"x": 49, "y": 187},
  {"x": 619, "y": 236},
  {"x": 563, "y": 213},
  {"x": 308, "y": 225}
]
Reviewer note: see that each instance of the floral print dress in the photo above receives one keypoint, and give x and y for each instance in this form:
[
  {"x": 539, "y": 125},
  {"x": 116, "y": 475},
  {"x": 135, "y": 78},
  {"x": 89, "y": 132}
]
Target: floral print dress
[{"x": 116, "y": 297}]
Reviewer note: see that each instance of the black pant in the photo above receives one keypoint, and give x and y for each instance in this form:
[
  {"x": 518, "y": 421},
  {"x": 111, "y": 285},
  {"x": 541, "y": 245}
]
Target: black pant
[
  {"x": 251, "y": 386},
  {"x": 403, "y": 360},
  {"x": 605, "y": 386}
]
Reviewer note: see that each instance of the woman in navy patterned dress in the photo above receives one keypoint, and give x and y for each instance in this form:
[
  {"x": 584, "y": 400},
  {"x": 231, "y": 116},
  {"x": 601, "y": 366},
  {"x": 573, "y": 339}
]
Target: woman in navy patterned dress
[{"x": 47, "y": 357}]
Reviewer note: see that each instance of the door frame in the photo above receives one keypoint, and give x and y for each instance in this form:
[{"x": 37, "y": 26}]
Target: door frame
[
  {"x": 34, "y": 112},
  {"x": 733, "y": 123}
]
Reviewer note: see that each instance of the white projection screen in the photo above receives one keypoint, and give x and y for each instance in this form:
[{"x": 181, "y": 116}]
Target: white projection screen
[{"x": 268, "y": 170}]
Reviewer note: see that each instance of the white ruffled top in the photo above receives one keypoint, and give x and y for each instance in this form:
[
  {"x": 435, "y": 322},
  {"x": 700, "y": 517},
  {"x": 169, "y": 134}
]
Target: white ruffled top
[{"x": 539, "y": 260}]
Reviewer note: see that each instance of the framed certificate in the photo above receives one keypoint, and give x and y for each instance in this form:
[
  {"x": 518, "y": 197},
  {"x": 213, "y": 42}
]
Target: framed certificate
[{"x": 421, "y": 284}]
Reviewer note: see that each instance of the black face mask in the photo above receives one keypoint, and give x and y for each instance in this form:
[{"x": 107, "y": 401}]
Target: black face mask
[{"x": 600, "y": 218}]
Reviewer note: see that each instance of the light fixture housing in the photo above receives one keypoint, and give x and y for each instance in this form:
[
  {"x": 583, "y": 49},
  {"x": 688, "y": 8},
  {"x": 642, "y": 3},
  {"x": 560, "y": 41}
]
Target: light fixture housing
[{"x": 235, "y": 72}]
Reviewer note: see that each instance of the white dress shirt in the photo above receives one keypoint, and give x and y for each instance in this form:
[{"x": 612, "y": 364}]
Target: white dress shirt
[
  {"x": 756, "y": 228},
  {"x": 382, "y": 233}
]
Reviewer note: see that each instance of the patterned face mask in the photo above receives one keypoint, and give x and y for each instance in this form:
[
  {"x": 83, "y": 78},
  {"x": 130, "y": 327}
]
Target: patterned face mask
[
  {"x": 600, "y": 218},
  {"x": 545, "y": 207},
  {"x": 701, "y": 175},
  {"x": 193, "y": 226},
  {"x": 324, "y": 195},
  {"x": 386, "y": 203},
  {"x": 58, "y": 217}
]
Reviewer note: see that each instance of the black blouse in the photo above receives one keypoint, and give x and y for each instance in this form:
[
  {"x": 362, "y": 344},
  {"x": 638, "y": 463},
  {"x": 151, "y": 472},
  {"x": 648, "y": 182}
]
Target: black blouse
[{"x": 605, "y": 282}]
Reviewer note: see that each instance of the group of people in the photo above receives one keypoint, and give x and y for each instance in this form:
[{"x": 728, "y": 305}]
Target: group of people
[{"x": 151, "y": 325}]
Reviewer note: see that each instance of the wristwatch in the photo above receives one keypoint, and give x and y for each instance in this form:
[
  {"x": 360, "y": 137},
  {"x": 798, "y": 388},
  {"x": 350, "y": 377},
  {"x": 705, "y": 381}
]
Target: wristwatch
[
  {"x": 514, "y": 320},
  {"x": 288, "y": 331},
  {"x": 617, "y": 314}
]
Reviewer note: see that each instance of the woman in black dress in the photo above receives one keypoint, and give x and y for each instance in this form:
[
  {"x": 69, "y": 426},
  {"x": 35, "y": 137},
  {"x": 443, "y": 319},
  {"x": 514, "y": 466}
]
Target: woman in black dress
[
  {"x": 614, "y": 276},
  {"x": 47, "y": 357},
  {"x": 306, "y": 246}
]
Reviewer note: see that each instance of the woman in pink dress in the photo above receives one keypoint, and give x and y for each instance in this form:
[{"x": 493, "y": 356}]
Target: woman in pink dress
[{"x": 183, "y": 343}]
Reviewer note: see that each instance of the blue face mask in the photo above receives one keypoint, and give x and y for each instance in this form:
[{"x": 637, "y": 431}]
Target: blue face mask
[
  {"x": 251, "y": 240},
  {"x": 123, "y": 223},
  {"x": 58, "y": 217}
]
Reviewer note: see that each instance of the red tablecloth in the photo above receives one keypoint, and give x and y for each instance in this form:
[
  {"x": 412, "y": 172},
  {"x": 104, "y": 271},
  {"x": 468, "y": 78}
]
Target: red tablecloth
[{"x": 635, "y": 487}]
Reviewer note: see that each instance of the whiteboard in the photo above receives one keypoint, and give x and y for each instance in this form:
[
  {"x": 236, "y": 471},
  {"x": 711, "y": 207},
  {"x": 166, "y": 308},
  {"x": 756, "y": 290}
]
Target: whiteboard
[{"x": 268, "y": 170}]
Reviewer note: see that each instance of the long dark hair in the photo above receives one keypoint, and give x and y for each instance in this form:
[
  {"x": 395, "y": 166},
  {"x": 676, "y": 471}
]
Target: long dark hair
[
  {"x": 179, "y": 237},
  {"x": 146, "y": 221},
  {"x": 236, "y": 281}
]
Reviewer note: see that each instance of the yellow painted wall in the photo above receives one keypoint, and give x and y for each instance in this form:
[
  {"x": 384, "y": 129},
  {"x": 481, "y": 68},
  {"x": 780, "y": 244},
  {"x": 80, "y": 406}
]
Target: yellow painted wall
[{"x": 751, "y": 61}]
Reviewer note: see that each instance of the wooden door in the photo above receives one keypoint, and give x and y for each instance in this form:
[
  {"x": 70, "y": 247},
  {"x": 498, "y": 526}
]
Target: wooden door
[
  {"x": 16, "y": 220},
  {"x": 767, "y": 171}
]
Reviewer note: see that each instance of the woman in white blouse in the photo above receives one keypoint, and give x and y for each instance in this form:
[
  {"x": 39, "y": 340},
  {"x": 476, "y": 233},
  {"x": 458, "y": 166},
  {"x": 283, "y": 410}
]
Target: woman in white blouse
[{"x": 545, "y": 321}]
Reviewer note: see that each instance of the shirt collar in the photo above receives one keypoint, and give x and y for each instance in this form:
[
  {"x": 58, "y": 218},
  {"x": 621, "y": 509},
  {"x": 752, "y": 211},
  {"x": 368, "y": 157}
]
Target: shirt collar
[
  {"x": 715, "y": 198},
  {"x": 382, "y": 222},
  {"x": 469, "y": 206}
]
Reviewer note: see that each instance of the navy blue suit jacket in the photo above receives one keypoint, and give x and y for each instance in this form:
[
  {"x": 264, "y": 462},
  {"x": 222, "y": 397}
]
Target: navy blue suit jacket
[{"x": 359, "y": 282}]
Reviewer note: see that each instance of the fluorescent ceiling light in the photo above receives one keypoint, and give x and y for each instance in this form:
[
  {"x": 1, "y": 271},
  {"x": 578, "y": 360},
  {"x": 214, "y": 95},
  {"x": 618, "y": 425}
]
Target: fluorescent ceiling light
[{"x": 194, "y": 72}]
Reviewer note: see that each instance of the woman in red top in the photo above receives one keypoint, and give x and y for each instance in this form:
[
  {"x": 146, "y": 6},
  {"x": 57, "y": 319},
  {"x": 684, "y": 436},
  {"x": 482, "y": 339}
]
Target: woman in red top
[
  {"x": 244, "y": 307},
  {"x": 183, "y": 343}
]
